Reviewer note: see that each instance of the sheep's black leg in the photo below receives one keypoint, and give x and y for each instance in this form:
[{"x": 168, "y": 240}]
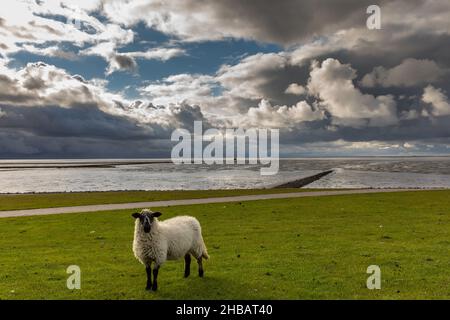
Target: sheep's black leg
[
  {"x": 155, "y": 277},
  {"x": 148, "y": 269},
  {"x": 187, "y": 267},
  {"x": 200, "y": 267}
]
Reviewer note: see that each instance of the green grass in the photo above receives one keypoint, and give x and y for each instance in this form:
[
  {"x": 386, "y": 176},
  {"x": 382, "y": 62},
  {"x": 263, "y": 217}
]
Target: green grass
[
  {"x": 304, "y": 248},
  {"x": 49, "y": 200}
]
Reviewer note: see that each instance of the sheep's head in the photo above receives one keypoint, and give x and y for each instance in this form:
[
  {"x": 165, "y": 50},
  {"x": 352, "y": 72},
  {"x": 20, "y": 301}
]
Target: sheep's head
[{"x": 146, "y": 218}]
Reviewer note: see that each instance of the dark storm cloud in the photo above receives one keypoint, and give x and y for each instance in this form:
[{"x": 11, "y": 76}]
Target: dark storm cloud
[
  {"x": 410, "y": 130},
  {"x": 64, "y": 132},
  {"x": 285, "y": 22},
  {"x": 85, "y": 130},
  {"x": 8, "y": 91},
  {"x": 18, "y": 144},
  {"x": 185, "y": 115},
  {"x": 289, "y": 22},
  {"x": 78, "y": 121}
]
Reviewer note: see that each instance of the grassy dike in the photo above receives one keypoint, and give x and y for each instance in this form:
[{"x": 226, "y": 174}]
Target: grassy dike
[
  {"x": 304, "y": 248},
  {"x": 51, "y": 200}
]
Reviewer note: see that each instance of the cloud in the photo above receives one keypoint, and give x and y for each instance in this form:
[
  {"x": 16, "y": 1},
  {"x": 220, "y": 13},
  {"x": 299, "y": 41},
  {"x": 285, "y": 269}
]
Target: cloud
[
  {"x": 295, "y": 89},
  {"x": 191, "y": 88},
  {"x": 233, "y": 88},
  {"x": 268, "y": 116},
  {"x": 48, "y": 111},
  {"x": 36, "y": 22},
  {"x": 126, "y": 61},
  {"x": 39, "y": 27},
  {"x": 39, "y": 84},
  {"x": 407, "y": 33},
  {"x": 345, "y": 148},
  {"x": 332, "y": 97},
  {"x": 438, "y": 101},
  {"x": 411, "y": 72},
  {"x": 248, "y": 78},
  {"x": 50, "y": 51},
  {"x": 121, "y": 62},
  {"x": 332, "y": 83},
  {"x": 286, "y": 23},
  {"x": 78, "y": 121},
  {"x": 161, "y": 53}
]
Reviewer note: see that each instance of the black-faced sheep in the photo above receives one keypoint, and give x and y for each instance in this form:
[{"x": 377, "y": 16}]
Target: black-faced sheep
[{"x": 157, "y": 241}]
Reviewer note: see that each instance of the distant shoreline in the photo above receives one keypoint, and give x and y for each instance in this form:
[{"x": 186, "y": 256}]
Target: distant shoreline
[
  {"x": 17, "y": 164},
  {"x": 84, "y": 162},
  {"x": 60, "y": 165}
]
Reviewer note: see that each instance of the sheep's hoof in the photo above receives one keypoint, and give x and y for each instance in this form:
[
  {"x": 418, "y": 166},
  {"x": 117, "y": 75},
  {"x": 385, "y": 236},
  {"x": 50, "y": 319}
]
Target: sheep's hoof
[
  {"x": 200, "y": 273},
  {"x": 186, "y": 275},
  {"x": 148, "y": 288},
  {"x": 154, "y": 288}
]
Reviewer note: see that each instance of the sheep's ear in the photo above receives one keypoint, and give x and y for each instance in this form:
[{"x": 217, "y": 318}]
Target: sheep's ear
[
  {"x": 136, "y": 215},
  {"x": 156, "y": 214}
]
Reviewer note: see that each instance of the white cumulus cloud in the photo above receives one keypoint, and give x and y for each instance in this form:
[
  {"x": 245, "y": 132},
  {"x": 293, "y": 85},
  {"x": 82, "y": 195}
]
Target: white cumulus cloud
[
  {"x": 332, "y": 83},
  {"x": 437, "y": 99}
]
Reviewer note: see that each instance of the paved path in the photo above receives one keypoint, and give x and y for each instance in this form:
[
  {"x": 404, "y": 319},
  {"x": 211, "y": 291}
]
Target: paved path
[{"x": 138, "y": 205}]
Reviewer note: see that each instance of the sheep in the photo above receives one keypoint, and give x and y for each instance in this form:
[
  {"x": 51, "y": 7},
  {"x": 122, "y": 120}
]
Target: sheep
[{"x": 157, "y": 241}]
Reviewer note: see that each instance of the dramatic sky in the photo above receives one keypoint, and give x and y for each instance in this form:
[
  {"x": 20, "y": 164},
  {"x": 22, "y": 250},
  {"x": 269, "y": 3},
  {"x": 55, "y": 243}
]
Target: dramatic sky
[{"x": 114, "y": 78}]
